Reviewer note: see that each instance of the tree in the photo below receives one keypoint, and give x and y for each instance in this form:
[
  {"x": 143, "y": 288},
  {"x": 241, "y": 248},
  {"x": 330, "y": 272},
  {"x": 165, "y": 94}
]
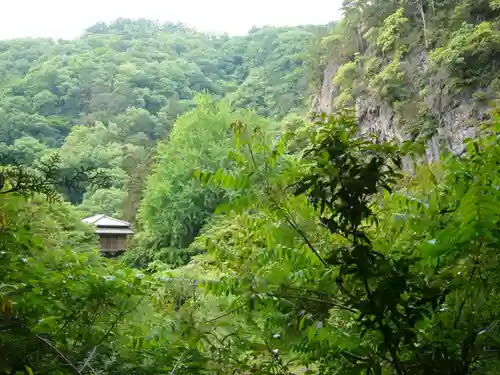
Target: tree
[
  {"x": 396, "y": 282},
  {"x": 175, "y": 206},
  {"x": 62, "y": 306},
  {"x": 137, "y": 77},
  {"x": 45, "y": 103}
]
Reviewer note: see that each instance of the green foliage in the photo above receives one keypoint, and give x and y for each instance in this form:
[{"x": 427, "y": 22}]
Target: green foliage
[
  {"x": 345, "y": 79},
  {"x": 59, "y": 308},
  {"x": 391, "y": 30},
  {"x": 106, "y": 201},
  {"x": 175, "y": 206},
  {"x": 272, "y": 50},
  {"x": 389, "y": 83},
  {"x": 400, "y": 282},
  {"x": 266, "y": 248},
  {"x": 322, "y": 255},
  {"x": 106, "y": 98},
  {"x": 415, "y": 54},
  {"x": 472, "y": 53},
  {"x": 416, "y": 118},
  {"x": 47, "y": 177}
]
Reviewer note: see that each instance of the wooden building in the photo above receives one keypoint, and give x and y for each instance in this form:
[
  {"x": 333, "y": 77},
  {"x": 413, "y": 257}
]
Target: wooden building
[{"x": 112, "y": 233}]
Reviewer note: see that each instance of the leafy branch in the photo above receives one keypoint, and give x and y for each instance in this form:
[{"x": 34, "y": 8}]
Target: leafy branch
[{"x": 47, "y": 178}]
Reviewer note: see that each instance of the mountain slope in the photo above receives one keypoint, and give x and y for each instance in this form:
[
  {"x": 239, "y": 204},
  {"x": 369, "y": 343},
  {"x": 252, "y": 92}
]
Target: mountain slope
[
  {"x": 49, "y": 86},
  {"x": 104, "y": 99}
]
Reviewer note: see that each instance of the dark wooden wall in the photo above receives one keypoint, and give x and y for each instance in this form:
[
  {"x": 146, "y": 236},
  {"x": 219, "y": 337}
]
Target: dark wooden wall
[{"x": 113, "y": 242}]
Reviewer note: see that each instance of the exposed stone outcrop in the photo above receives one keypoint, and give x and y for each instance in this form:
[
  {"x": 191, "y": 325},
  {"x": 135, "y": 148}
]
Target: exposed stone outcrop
[
  {"x": 323, "y": 100},
  {"x": 457, "y": 115}
]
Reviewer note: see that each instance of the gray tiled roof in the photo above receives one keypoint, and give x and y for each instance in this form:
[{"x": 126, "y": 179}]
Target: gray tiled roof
[
  {"x": 106, "y": 221},
  {"x": 108, "y": 225},
  {"x": 114, "y": 231}
]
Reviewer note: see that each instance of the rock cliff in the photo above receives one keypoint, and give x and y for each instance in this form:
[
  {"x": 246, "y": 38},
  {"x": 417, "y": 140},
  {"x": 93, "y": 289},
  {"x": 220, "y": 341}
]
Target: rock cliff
[
  {"x": 457, "y": 115},
  {"x": 413, "y": 68}
]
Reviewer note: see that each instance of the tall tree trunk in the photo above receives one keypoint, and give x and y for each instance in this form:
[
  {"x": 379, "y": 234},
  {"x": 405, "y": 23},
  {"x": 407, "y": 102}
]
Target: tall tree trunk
[{"x": 422, "y": 14}]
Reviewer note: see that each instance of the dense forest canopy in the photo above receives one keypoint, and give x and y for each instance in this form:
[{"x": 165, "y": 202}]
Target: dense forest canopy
[
  {"x": 142, "y": 75},
  {"x": 269, "y": 240},
  {"x": 105, "y": 98}
]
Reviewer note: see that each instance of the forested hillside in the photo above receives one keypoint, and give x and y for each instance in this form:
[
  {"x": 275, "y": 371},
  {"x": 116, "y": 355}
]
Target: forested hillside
[
  {"x": 357, "y": 238},
  {"x": 103, "y": 100}
]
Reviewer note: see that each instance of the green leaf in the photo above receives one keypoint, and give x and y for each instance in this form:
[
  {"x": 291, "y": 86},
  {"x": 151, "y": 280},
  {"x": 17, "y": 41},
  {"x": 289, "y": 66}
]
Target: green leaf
[{"x": 301, "y": 322}]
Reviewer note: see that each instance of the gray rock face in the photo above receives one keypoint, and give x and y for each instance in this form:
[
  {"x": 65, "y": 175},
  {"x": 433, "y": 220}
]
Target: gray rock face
[
  {"x": 378, "y": 119},
  {"x": 457, "y": 115},
  {"x": 323, "y": 100}
]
